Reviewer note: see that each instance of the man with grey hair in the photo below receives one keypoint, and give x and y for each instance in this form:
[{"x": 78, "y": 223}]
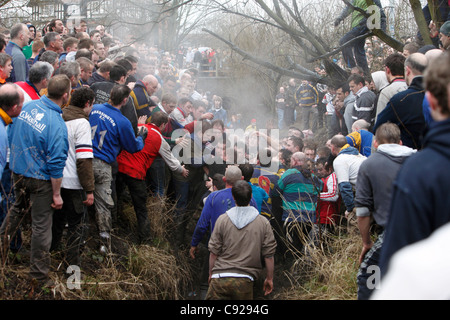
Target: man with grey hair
[
  {"x": 406, "y": 108},
  {"x": 38, "y": 78},
  {"x": 52, "y": 42},
  {"x": 141, "y": 96},
  {"x": 20, "y": 35},
  {"x": 72, "y": 70}
]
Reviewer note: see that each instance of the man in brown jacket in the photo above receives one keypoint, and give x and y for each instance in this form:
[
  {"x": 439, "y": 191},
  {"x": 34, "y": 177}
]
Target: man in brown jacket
[{"x": 240, "y": 238}]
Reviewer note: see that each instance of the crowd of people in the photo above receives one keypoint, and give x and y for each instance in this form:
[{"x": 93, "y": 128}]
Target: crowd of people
[{"x": 88, "y": 125}]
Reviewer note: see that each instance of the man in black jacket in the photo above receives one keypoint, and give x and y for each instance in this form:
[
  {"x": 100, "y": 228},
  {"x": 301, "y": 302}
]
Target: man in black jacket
[{"x": 406, "y": 108}]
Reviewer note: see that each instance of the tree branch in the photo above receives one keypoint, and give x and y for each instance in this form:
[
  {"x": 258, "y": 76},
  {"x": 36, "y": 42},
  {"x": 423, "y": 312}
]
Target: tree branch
[
  {"x": 339, "y": 49},
  {"x": 310, "y": 76}
]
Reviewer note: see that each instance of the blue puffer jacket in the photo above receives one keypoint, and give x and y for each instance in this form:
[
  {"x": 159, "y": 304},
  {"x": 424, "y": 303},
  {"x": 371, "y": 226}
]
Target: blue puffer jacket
[{"x": 38, "y": 141}]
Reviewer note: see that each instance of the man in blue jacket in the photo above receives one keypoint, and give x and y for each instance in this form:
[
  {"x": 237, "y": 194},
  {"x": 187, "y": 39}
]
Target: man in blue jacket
[
  {"x": 39, "y": 146},
  {"x": 111, "y": 132},
  {"x": 420, "y": 198}
]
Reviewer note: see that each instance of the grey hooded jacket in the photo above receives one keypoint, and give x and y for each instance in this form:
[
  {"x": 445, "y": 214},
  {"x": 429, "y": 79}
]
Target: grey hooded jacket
[{"x": 375, "y": 177}]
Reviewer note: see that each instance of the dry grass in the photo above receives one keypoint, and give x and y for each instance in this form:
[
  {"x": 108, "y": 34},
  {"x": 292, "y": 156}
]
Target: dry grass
[
  {"x": 328, "y": 270},
  {"x": 131, "y": 272},
  {"x": 160, "y": 272}
]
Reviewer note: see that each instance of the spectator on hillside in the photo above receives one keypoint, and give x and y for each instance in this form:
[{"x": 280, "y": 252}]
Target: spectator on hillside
[{"x": 364, "y": 107}]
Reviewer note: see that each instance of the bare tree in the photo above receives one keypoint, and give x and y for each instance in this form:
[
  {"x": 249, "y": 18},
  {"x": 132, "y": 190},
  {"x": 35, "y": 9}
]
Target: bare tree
[{"x": 292, "y": 19}]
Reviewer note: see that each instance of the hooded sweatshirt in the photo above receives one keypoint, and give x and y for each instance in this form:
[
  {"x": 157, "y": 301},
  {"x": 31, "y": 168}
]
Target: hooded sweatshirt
[
  {"x": 420, "y": 198},
  {"x": 375, "y": 178},
  {"x": 241, "y": 239}
]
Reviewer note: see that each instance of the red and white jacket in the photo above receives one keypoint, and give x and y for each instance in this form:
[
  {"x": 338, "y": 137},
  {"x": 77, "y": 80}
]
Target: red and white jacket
[
  {"x": 136, "y": 164},
  {"x": 329, "y": 200},
  {"x": 29, "y": 92}
]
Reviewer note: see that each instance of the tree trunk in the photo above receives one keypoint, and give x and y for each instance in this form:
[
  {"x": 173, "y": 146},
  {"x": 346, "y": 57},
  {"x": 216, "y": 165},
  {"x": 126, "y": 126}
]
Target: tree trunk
[{"x": 420, "y": 20}]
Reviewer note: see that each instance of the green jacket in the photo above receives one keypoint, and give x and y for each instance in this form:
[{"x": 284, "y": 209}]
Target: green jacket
[{"x": 357, "y": 17}]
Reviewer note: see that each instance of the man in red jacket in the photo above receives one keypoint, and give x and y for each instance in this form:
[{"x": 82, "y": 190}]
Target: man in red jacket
[{"x": 133, "y": 169}]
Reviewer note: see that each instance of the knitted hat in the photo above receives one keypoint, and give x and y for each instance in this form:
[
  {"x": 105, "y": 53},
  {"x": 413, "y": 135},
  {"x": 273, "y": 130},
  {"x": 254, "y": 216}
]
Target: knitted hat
[{"x": 445, "y": 29}]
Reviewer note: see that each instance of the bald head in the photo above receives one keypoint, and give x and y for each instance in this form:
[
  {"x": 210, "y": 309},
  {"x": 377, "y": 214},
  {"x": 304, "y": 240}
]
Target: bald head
[
  {"x": 432, "y": 54},
  {"x": 336, "y": 143},
  {"x": 360, "y": 124},
  {"x": 151, "y": 83},
  {"x": 11, "y": 99},
  {"x": 415, "y": 65},
  {"x": 298, "y": 159},
  {"x": 233, "y": 174}
]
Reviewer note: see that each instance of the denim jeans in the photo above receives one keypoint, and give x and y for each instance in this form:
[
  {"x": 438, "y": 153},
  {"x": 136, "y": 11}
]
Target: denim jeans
[
  {"x": 289, "y": 116},
  {"x": 280, "y": 114},
  {"x": 35, "y": 196},
  {"x": 8, "y": 198},
  {"x": 156, "y": 177},
  {"x": 371, "y": 259},
  {"x": 355, "y": 53},
  {"x": 181, "y": 189}
]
